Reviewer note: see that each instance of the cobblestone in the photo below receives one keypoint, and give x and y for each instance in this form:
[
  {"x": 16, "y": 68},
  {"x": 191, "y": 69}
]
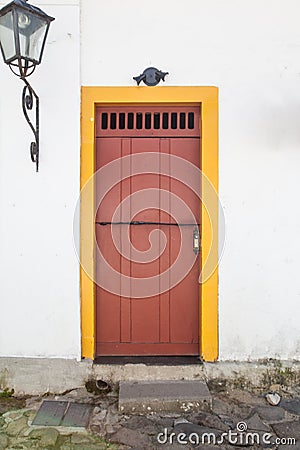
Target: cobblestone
[
  {"x": 47, "y": 436},
  {"x": 3, "y": 441},
  {"x": 112, "y": 430},
  {"x": 291, "y": 405}
]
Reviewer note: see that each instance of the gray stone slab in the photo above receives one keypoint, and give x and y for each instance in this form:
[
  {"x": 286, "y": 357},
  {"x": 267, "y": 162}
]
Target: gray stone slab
[
  {"x": 50, "y": 413},
  {"x": 132, "y": 438},
  {"x": 255, "y": 423},
  {"x": 271, "y": 414},
  {"x": 289, "y": 447},
  {"x": 208, "y": 420},
  {"x": 77, "y": 415},
  {"x": 192, "y": 428},
  {"x": 291, "y": 405},
  {"x": 147, "y": 425},
  {"x": 289, "y": 429},
  {"x": 148, "y": 396}
]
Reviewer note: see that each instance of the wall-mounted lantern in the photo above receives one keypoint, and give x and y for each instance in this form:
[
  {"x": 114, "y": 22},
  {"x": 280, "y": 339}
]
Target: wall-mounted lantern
[{"x": 23, "y": 33}]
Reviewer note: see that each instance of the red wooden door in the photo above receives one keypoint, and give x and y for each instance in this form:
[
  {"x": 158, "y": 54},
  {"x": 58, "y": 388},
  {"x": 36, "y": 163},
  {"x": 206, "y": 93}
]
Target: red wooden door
[{"x": 147, "y": 301}]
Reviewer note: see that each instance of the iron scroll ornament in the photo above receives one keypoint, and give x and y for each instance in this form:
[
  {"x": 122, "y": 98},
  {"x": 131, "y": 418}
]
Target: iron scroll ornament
[
  {"x": 151, "y": 76},
  {"x": 29, "y": 100}
]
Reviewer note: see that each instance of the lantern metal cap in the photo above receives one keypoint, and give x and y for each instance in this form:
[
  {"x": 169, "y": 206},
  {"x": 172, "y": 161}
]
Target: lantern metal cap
[{"x": 26, "y": 7}]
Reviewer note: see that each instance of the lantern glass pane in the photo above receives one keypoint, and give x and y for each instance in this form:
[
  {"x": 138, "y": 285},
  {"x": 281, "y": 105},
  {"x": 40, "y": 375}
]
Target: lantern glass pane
[
  {"x": 32, "y": 32},
  {"x": 7, "y": 37}
]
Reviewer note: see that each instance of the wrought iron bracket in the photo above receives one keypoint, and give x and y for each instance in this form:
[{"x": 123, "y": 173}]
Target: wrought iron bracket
[
  {"x": 151, "y": 76},
  {"x": 31, "y": 100}
]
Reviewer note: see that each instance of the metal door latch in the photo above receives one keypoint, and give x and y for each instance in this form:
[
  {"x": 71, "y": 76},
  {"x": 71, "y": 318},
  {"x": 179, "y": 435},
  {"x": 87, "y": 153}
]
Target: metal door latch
[{"x": 196, "y": 241}]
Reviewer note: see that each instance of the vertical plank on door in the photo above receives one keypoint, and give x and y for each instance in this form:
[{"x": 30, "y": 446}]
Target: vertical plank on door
[
  {"x": 125, "y": 262},
  {"x": 108, "y": 304},
  {"x": 164, "y": 262},
  {"x": 145, "y": 311},
  {"x": 184, "y": 301}
]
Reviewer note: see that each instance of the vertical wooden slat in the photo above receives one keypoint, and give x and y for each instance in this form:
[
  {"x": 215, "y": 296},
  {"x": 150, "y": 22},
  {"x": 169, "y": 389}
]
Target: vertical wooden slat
[
  {"x": 165, "y": 259},
  {"x": 125, "y": 263}
]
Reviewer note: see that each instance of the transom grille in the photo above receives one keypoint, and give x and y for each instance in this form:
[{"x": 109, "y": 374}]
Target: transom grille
[{"x": 148, "y": 121}]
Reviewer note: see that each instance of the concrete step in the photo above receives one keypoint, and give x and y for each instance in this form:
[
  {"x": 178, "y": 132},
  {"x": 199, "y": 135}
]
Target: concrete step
[
  {"x": 163, "y": 395},
  {"x": 136, "y": 372}
]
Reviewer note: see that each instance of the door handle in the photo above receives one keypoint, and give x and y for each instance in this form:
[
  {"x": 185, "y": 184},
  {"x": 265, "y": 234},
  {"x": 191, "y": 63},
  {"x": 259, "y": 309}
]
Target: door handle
[{"x": 196, "y": 241}]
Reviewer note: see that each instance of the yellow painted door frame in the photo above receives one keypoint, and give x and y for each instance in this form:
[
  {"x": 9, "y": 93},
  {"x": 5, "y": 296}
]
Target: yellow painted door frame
[{"x": 207, "y": 99}]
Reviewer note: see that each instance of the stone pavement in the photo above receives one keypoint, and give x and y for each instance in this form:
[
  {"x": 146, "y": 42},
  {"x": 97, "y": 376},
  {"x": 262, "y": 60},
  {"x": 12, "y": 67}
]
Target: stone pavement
[{"x": 110, "y": 429}]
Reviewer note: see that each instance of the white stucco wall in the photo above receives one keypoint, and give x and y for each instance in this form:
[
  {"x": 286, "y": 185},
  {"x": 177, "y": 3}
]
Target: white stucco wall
[
  {"x": 39, "y": 276},
  {"x": 250, "y": 50}
]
